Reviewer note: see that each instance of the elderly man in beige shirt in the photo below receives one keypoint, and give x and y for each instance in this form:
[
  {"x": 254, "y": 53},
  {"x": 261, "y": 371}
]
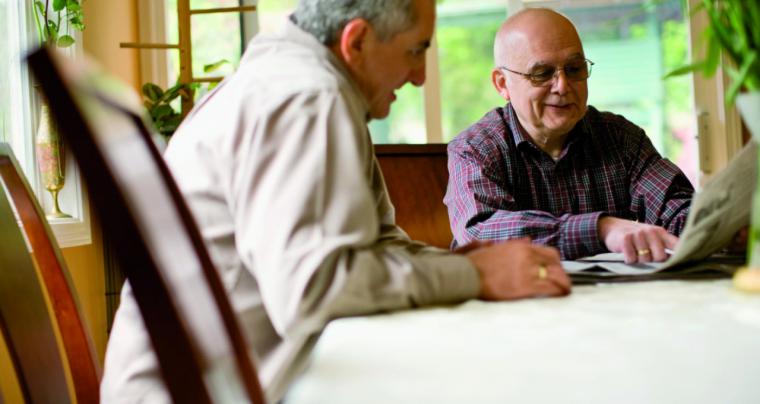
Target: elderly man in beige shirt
[{"x": 278, "y": 168}]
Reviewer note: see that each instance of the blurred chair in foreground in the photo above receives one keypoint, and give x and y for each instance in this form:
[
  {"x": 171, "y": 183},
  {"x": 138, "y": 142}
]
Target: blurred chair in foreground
[
  {"x": 194, "y": 332},
  {"x": 26, "y": 320}
]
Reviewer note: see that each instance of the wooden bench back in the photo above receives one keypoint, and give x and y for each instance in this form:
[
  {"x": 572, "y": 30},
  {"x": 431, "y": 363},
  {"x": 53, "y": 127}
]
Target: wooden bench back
[{"x": 417, "y": 176}]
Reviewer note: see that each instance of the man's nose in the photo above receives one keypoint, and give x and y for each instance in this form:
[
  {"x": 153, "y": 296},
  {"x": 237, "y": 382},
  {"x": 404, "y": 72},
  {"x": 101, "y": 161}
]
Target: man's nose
[
  {"x": 560, "y": 83},
  {"x": 417, "y": 75}
]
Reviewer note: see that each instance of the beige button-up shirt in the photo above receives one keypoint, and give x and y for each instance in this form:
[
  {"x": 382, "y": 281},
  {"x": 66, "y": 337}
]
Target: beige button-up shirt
[{"x": 278, "y": 168}]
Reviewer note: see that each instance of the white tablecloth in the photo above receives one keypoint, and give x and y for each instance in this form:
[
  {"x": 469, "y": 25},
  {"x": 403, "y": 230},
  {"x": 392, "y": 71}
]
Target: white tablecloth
[{"x": 649, "y": 342}]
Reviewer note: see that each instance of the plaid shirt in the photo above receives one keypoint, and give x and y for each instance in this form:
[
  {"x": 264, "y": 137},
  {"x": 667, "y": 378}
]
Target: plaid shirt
[{"x": 502, "y": 186}]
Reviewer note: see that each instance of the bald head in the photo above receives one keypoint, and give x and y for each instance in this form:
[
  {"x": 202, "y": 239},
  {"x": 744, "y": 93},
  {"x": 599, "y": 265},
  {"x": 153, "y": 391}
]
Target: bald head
[
  {"x": 537, "y": 42},
  {"x": 529, "y": 29}
]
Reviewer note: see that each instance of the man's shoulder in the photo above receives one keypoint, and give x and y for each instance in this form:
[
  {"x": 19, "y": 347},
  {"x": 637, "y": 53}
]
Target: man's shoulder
[{"x": 487, "y": 133}]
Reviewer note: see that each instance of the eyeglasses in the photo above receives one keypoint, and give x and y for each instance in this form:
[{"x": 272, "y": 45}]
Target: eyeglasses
[{"x": 544, "y": 76}]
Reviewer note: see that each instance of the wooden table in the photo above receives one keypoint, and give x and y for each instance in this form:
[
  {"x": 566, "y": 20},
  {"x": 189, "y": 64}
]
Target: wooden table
[{"x": 647, "y": 342}]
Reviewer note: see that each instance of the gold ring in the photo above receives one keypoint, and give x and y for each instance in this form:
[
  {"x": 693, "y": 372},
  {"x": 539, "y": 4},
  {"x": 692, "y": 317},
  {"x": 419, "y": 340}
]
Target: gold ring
[
  {"x": 542, "y": 272},
  {"x": 643, "y": 252}
]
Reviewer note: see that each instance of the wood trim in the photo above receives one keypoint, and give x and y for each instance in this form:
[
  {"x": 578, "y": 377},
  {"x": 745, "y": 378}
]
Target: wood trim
[
  {"x": 141, "y": 45},
  {"x": 240, "y": 9},
  {"x": 410, "y": 149}
]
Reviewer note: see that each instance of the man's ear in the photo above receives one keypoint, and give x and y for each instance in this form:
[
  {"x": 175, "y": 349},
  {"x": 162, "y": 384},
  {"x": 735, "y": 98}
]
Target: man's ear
[
  {"x": 351, "y": 44},
  {"x": 499, "y": 80}
]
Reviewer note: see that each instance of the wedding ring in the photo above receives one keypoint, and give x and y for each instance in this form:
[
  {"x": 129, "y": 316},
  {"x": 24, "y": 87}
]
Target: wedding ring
[
  {"x": 643, "y": 252},
  {"x": 542, "y": 272}
]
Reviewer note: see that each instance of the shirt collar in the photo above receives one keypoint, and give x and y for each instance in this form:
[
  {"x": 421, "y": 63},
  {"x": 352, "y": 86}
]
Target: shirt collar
[
  {"x": 520, "y": 136},
  {"x": 293, "y": 32}
]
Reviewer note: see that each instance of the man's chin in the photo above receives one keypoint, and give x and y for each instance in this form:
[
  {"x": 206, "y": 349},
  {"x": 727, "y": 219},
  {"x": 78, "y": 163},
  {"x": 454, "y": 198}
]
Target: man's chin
[{"x": 379, "y": 113}]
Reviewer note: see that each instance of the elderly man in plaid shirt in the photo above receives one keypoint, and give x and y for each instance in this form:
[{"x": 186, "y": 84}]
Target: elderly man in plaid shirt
[{"x": 549, "y": 167}]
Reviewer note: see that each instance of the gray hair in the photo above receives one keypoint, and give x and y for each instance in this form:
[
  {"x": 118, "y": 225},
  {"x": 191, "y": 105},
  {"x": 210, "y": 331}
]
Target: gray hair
[{"x": 325, "y": 19}]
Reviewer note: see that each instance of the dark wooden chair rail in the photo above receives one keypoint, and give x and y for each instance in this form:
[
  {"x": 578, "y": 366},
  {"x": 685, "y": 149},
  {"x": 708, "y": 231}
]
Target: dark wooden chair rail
[
  {"x": 55, "y": 280},
  {"x": 108, "y": 138}
]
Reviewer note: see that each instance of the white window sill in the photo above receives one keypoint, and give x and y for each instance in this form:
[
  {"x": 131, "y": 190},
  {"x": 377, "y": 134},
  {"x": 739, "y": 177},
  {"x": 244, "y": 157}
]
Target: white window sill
[{"x": 71, "y": 232}]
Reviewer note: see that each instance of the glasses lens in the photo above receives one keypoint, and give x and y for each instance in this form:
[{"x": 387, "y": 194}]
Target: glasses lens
[
  {"x": 577, "y": 71},
  {"x": 543, "y": 76}
]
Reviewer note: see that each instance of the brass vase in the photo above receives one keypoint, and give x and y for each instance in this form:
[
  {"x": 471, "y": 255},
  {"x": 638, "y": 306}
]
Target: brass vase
[{"x": 51, "y": 160}]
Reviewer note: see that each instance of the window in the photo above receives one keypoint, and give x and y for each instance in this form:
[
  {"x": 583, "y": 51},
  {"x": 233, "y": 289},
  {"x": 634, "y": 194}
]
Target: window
[
  {"x": 14, "y": 94},
  {"x": 218, "y": 37},
  {"x": 633, "y": 43},
  {"x": 18, "y": 117}
]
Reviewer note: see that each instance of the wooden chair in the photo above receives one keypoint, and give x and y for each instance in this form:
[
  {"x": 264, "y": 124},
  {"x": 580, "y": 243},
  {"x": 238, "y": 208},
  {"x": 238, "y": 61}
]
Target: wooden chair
[
  {"x": 417, "y": 176},
  {"x": 201, "y": 352},
  {"x": 27, "y": 321}
]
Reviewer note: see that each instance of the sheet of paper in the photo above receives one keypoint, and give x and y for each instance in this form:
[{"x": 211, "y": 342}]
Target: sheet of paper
[{"x": 720, "y": 210}]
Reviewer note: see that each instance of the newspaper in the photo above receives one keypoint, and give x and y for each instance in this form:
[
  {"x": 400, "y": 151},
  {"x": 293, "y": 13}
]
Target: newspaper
[{"x": 717, "y": 213}]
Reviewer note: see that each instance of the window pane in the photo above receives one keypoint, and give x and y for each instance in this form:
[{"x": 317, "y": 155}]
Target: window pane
[
  {"x": 5, "y": 79},
  {"x": 216, "y": 38},
  {"x": 15, "y": 118},
  {"x": 406, "y": 122},
  {"x": 274, "y": 13},
  {"x": 634, "y": 46},
  {"x": 465, "y": 37}
]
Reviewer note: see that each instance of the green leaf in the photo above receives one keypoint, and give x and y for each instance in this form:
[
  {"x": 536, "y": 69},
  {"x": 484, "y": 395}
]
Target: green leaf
[
  {"x": 684, "y": 70},
  {"x": 170, "y": 125},
  {"x": 739, "y": 77},
  {"x": 214, "y": 66},
  {"x": 161, "y": 111},
  {"x": 59, "y": 5},
  {"x": 77, "y": 23},
  {"x": 152, "y": 91},
  {"x": 712, "y": 59},
  {"x": 39, "y": 8},
  {"x": 172, "y": 93},
  {"x": 65, "y": 41},
  {"x": 52, "y": 31},
  {"x": 73, "y": 5}
]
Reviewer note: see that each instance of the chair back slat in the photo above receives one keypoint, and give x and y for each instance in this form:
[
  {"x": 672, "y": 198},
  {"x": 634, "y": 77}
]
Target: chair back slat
[
  {"x": 25, "y": 320},
  {"x": 77, "y": 343},
  {"x": 195, "y": 334}
]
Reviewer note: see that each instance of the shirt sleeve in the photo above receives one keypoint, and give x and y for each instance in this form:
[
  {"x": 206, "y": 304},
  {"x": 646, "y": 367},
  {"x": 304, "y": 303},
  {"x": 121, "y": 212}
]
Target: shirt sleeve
[
  {"x": 482, "y": 207},
  {"x": 660, "y": 192},
  {"x": 307, "y": 201}
]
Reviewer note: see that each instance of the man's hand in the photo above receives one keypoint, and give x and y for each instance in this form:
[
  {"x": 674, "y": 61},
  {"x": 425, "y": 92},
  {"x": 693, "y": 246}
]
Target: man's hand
[
  {"x": 517, "y": 269},
  {"x": 639, "y": 242}
]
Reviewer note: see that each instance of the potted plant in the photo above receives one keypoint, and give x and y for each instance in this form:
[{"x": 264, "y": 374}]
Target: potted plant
[
  {"x": 733, "y": 31},
  {"x": 54, "y": 21}
]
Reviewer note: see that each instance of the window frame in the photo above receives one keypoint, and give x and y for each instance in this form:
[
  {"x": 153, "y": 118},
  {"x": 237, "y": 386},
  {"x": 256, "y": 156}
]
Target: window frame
[{"x": 69, "y": 232}]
